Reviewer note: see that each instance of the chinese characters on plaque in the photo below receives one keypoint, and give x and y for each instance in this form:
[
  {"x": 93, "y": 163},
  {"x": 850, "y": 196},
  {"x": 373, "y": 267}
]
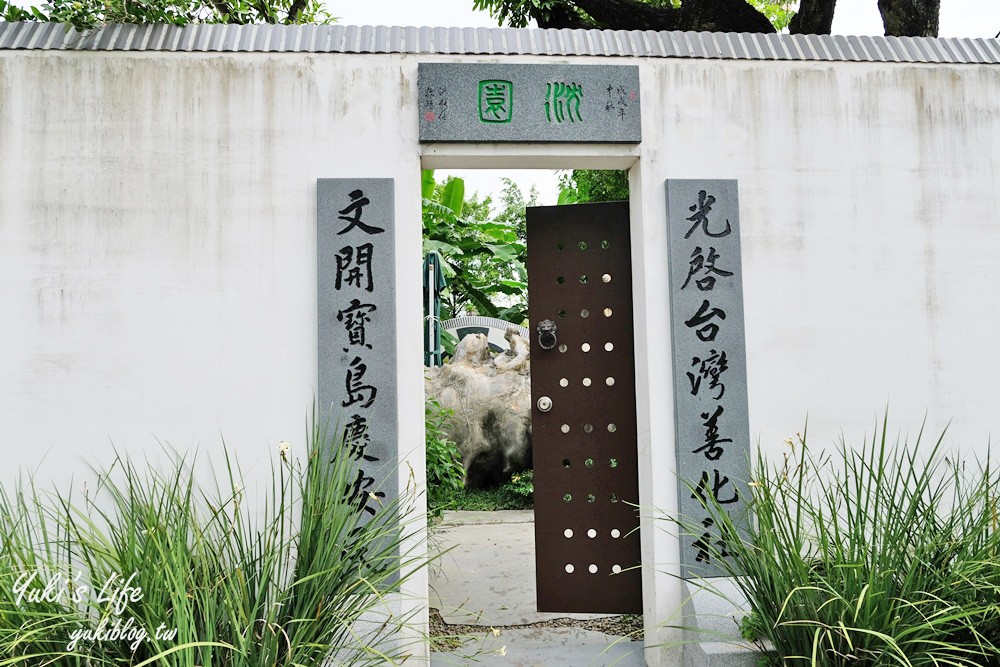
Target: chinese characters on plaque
[
  {"x": 502, "y": 102},
  {"x": 709, "y": 354},
  {"x": 357, "y": 325}
]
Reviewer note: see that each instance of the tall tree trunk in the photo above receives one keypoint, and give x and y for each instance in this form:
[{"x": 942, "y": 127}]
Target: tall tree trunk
[
  {"x": 913, "y": 18},
  {"x": 815, "y": 17}
]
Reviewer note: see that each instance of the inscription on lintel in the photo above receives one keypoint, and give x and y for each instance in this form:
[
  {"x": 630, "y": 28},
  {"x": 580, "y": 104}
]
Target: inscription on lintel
[{"x": 496, "y": 102}]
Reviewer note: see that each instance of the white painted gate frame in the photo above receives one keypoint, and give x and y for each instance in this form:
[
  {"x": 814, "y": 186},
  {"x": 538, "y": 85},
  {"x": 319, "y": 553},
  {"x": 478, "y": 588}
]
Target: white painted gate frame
[{"x": 647, "y": 213}]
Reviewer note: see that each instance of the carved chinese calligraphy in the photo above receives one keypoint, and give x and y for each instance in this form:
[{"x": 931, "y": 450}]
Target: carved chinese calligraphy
[
  {"x": 710, "y": 391},
  {"x": 357, "y": 323},
  {"x": 504, "y": 102}
]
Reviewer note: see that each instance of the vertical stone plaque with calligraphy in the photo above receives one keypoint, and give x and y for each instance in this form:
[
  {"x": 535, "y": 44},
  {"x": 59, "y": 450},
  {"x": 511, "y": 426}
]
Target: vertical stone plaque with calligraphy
[
  {"x": 357, "y": 329},
  {"x": 709, "y": 354}
]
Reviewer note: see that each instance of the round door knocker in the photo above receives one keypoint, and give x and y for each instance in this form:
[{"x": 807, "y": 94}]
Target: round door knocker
[{"x": 547, "y": 334}]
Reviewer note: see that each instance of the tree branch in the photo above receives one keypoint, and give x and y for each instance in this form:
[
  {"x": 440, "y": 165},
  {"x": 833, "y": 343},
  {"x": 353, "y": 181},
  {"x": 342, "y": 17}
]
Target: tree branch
[
  {"x": 913, "y": 18},
  {"x": 713, "y": 15},
  {"x": 223, "y": 8},
  {"x": 560, "y": 16},
  {"x": 815, "y": 17},
  {"x": 293, "y": 11},
  {"x": 264, "y": 10}
]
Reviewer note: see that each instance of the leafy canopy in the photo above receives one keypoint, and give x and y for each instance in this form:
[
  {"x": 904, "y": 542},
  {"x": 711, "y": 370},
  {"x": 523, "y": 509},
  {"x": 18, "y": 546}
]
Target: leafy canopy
[
  {"x": 88, "y": 14},
  {"x": 915, "y": 18},
  {"x": 483, "y": 252}
]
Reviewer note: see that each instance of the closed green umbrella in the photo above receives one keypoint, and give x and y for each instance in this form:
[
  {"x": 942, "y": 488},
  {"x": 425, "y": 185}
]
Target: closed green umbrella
[{"x": 434, "y": 282}]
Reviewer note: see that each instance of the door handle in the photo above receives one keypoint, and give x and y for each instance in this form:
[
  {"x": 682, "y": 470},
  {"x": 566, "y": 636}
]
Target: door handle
[{"x": 547, "y": 334}]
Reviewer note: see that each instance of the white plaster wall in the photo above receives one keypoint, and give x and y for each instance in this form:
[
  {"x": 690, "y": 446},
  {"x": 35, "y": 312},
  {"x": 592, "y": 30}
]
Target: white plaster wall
[
  {"x": 158, "y": 251},
  {"x": 157, "y": 247},
  {"x": 871, "y": 232}
]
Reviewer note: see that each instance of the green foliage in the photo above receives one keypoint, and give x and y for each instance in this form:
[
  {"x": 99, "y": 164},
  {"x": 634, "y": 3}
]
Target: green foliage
[
  {"x": 483, "y": 255},
  {"x": 581, "y": 186},
  {"x": 778, "y": 12},
  {"x": 88, "y": 14},
  {"x": 517, "y": 13},
  {"x": 246, "y": 582},
  {"x": 885, "y": 554},
  {"x": 445, "y": 474},
  {"x": 9, "y": 12},
  {"x": 508, "y": 496},
  {"x": 522, "y": 484}
]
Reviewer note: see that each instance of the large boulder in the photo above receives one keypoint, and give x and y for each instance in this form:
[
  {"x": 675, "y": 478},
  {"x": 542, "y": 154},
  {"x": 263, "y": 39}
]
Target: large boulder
[{"x": 490, "y": 398}]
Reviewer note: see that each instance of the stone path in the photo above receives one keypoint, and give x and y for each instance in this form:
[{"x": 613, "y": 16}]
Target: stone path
[{"x": 484, "y": 589}]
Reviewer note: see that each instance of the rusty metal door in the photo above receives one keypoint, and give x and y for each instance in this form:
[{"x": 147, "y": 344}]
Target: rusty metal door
[{"x": 583, "y": 412}]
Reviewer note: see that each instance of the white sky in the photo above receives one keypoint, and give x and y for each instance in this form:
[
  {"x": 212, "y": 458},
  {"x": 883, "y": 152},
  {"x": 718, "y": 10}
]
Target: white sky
[{"x": 959, "y": 18}]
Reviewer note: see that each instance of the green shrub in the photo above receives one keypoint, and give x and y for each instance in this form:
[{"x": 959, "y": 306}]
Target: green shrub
[
  {"x": 881, "y": 555},
  {"x": 522, "y": 484},
  {"x": 515, "y": 494},
  {"x": 294, "y": 580},
  {"x": 445, "y": 474}
]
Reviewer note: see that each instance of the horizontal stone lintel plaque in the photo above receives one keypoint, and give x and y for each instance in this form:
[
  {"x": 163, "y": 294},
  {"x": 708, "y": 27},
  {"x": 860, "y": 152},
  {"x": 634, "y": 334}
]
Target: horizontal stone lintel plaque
[{"x": 500, "y": 102}]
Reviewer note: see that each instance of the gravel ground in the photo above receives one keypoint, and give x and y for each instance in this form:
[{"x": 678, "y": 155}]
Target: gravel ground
[{"x": 451, "y": 636}]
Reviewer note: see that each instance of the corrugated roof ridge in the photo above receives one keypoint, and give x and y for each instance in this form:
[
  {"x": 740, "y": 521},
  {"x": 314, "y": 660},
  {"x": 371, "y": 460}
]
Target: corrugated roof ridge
[{"x": 501, "y": 41}]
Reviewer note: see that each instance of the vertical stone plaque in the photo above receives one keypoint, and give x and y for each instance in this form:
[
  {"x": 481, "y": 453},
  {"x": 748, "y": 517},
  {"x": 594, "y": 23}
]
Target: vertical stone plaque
[
  {"x": 357, "y": 329},
  {"x": 709, "y": 355}
]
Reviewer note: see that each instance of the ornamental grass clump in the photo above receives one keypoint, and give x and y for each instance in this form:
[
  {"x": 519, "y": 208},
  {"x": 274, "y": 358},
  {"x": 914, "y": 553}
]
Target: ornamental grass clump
[
  {"x": 151, "y": 567},
  {"x": 884, "y": 554}
]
